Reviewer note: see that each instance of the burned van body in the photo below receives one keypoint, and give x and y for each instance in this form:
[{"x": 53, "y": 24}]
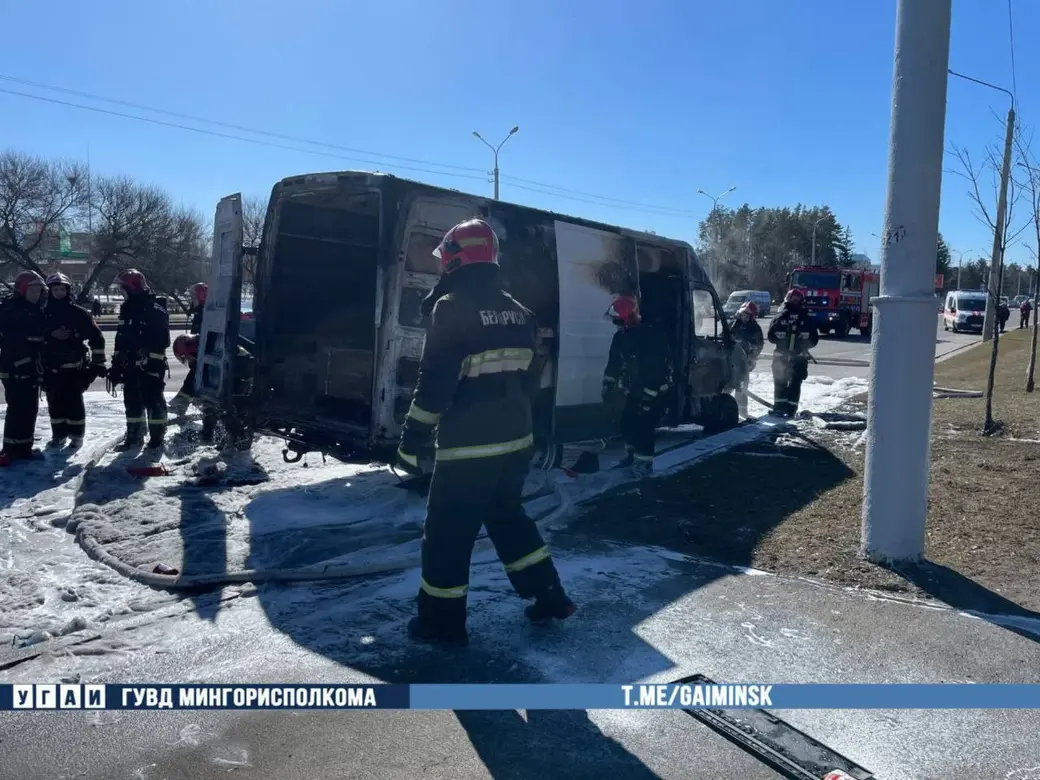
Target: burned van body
[{"x": 344, "y": 264}]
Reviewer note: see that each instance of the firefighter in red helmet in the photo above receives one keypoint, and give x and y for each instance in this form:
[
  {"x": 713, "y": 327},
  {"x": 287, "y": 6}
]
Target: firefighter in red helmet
[
  {"x": 747, "y": 334},
  {"x": 477, "y": 379},
  {"x": 139, "y": 362},
  {"x": 70, "y": 365},
  {"x": 22, "y": 329},
  {"x": 639, "y": 371},
  {"x": 180, "y": 403},
  {"x": 793, "y": 333}
]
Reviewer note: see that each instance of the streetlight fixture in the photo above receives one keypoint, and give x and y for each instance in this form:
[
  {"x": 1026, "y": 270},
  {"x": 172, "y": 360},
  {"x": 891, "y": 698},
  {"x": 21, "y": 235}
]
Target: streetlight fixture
[
  {"x": 817, "y": 222},
  {"x": 714, "y": 207},
  {"x": 495, "y": 150}
]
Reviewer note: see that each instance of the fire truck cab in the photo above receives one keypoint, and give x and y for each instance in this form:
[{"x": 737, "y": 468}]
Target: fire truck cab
[{"x": 838, "y": 299}]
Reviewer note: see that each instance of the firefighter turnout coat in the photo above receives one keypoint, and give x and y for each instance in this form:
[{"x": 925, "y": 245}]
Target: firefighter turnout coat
[{"x": 476, "y": 376}]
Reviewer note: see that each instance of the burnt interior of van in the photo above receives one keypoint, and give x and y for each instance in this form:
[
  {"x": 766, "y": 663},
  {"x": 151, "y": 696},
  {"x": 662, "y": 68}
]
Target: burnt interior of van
[
  {"x": 320, "y": 307},
  {"x": 662, "y": 292}
]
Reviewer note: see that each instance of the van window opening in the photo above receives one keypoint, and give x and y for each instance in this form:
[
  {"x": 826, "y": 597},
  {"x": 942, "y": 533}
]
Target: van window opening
[{"x": 815, "y": 279}]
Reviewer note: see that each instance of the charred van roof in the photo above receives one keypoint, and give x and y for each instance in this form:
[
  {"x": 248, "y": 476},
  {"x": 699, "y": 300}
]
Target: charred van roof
[{"x": 333, "y": 178}]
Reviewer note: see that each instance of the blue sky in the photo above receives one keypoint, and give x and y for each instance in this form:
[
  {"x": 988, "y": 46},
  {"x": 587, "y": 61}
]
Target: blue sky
[{"x": 645, "y": 101}]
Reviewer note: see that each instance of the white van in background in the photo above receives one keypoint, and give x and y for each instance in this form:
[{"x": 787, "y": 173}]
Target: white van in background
[
  {"x": 964, "y": 310},
  {"x": 736, "y": 299}
]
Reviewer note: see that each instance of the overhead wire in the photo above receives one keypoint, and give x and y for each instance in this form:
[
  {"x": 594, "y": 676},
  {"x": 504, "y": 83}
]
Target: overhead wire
[
  {"x": 529, "y": 185},
  {"x": 229, "y": 125},
  {"x": 1011, "y": 35},
  {"x": 229, "y": 136}
]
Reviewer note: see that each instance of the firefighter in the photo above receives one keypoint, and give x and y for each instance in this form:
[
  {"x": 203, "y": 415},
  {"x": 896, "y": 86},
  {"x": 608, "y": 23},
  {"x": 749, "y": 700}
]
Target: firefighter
[
  {"x": 22, "y": 331},
  {"x": 181, "y": 401},
  {"x": 186, "y": 350},
  {"x": 198, "y": 292},
  {"x": 748, "y": 335},
  {"x": 1023, "y": 313},
  {"x": 69, "y": 366},
  {"x": 1003, "y": 315},
  {"x": 139, "y": 362},
  {"x": 477, "y": 378},
  {"x": 793, "y": 333},
  {"x": 639, "y": 370}
]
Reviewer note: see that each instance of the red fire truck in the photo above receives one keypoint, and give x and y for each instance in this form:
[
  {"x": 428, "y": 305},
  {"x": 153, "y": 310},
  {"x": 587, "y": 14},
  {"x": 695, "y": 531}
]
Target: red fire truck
[{"x": 838, "y": 299}]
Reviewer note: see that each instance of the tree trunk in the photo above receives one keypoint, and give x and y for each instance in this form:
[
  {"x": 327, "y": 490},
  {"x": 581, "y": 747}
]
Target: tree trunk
[{"x": 88, "y": 285}]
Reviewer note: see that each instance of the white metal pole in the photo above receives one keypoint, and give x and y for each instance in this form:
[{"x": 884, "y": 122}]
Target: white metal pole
[{"x": 895, "y": 484}]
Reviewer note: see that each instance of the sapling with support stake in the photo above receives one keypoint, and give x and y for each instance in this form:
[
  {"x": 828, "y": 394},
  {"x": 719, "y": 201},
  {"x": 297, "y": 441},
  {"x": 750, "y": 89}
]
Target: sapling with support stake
[
  {"x": 1032, "y": 186},
  {"x": 1003, "y": 235}
]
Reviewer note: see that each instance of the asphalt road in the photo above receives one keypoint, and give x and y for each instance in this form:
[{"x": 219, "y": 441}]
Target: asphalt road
[{"x": 855, "y": 348}]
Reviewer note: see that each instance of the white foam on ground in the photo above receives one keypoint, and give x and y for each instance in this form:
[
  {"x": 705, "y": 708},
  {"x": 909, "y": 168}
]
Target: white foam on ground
[{"x": 47, "y": 583}]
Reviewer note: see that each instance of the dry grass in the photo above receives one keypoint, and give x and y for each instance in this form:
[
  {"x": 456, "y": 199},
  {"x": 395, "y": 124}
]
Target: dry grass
[{"x": 796, "y": 509}]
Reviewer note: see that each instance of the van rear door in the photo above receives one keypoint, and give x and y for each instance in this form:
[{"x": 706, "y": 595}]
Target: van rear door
[
  {"x": 218, "y": 341},
  {"x": 594, "y": 266}
]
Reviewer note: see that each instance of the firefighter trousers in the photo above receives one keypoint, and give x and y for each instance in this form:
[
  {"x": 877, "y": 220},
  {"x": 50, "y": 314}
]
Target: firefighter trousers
[
  {"x": 68, "y": 415},
  {"x": 639, "y": 429},
  {"x": 144, "y": 400},
  {"x": 465, "y": 495},
  {"x": 180, "y": 403},
  {"x": 789, "y": 371},
  {"x": 23, "y": 407}
]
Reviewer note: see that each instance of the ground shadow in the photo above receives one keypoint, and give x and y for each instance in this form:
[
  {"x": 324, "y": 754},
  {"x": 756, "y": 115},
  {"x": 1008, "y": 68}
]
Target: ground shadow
[
  {"x": 203, "y": 525},
  {"x": 689, "y": 512},
  {"x": 361, "y": 625},
  {"x": 960, "y": 592},
  {"x": 25, "y": 479}
]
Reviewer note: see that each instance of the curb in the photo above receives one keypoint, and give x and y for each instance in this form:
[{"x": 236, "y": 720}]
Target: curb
[{"x": 959, "y": 350}]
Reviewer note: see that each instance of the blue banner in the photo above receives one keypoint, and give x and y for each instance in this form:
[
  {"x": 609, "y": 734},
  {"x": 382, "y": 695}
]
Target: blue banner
[{"x": 518, "y": 697}]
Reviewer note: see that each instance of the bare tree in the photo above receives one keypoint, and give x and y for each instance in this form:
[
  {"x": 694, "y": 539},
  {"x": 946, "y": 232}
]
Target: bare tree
[
  {"x": 176, "y": 254},
  {"x": 1032, "y": 187},
  {"x": 36, "y": 197},
  {"x": 992, "y": 164},
  {"x": 127, "y": 215},
  {"x": 254, "y": 212}
]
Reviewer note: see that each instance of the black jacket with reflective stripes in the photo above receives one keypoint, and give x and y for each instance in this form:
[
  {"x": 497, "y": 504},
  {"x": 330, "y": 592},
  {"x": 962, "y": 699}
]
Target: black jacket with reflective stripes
[
  {"x": 477, "y": 373},
  {"x": 639, "y": 363},
  {"x": 22, "y": 329},
  {"x": 71, "y": 352},
  {"x": 748, "y": 335},
  {"x": 143, "y": 335},
  {"x": 793, "y": 332}
]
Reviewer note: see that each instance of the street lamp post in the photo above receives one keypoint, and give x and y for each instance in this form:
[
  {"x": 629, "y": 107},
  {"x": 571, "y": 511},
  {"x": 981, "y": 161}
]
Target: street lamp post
[
  {"x": 817, "y": 222},
  {"x": 714, "y": 207},
  {"x": 495, "y": 150},
  {"x": 960, "y": 263}
]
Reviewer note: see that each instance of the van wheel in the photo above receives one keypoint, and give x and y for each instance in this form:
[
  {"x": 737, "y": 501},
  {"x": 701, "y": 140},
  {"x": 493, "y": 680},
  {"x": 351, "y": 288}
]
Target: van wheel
[{"x": 720, "y": 414}]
